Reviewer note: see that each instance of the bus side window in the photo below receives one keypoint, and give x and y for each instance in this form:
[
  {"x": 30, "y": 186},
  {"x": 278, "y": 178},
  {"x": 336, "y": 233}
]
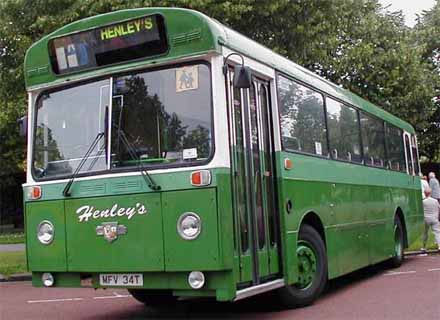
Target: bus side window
[
  {"x": 415, "y": 153},
  {"x": 395, "y": 148},
  {"x": 302, "y": 118},
  {"x": 408, "y": 154},
  {"x": 343, "y": 129},
  {"x": 373, "y": 138}
]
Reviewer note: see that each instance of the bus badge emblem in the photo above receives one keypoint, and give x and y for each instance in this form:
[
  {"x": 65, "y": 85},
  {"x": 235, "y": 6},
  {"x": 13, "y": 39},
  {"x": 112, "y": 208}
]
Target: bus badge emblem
[{"x": 110, "y": 231}]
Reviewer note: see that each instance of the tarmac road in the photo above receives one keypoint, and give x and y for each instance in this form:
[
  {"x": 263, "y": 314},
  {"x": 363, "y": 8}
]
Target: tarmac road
[
  {"x": 12, "y": 247},
  {"x": 410, "y": 292}
]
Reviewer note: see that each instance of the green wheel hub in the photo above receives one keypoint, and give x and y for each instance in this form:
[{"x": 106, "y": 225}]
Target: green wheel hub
[{"x": 307, "y": 264}]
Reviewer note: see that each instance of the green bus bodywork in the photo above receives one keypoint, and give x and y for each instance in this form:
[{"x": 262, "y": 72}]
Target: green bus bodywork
[{"x": 353, "y": 206}]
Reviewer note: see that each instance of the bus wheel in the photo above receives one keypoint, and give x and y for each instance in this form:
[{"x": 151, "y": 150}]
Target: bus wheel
[
  {"x": 312, "y": 270},
  {"x": 154, "y": 298},
  {"x": 398, "y": 256}
]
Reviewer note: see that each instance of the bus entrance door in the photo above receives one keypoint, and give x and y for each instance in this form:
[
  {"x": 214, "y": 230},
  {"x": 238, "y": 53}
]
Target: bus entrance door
[{"x": 256, "y": 241}]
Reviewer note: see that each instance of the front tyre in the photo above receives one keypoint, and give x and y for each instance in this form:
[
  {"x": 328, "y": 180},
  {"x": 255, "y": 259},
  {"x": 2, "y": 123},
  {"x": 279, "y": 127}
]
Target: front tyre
[
  {"x": 154, "y": 298},
  {"x": 398, "y": 256},
  {"x": 312, "y": 270}
]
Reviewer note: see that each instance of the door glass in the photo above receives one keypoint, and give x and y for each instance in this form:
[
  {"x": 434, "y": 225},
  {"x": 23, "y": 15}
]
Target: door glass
[
  {"x": 268, "y": 170},
  {"x": 255, "y": 141},
  {"x": 240, "y": 179}
]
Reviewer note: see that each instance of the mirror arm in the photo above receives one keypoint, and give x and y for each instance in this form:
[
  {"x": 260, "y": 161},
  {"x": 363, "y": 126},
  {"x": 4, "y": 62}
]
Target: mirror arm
[{"x": 225, "y": 65}]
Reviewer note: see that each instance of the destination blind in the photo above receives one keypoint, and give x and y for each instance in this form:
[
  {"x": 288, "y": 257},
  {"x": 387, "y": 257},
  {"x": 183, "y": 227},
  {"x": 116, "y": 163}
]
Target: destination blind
[{"x": 120, "y": 42}]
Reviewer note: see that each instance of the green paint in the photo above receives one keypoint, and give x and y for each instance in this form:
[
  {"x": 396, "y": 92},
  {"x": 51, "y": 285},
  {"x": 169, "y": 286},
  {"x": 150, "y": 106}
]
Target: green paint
[
  {"x": 217, "y": 283},
  {"x": 141, "y": 249},
  {"x": 189, "y": 33},
  {"x": 198, "y": 254},
  {"x": 307, "y": 264},
  {"x": 355, "y": 204},
  {"x": 42, "y": 257}
]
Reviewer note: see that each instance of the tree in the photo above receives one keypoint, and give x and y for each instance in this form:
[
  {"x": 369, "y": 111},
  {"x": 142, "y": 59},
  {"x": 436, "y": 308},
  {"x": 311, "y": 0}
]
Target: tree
[
  {"x": 426, "y": 36},
  {"x": 198, "y": 138},
  {"x": 353, "y": 43}
]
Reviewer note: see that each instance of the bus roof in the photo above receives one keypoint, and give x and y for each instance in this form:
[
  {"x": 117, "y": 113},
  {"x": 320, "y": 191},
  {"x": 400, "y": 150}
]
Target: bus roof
[{"x": 189, "y": 33}]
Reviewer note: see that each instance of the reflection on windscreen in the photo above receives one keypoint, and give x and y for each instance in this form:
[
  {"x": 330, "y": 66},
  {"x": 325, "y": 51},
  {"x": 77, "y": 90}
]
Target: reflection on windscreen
[
  {"x": 156, "y": 118},
  {"x": 162, "y": 117},
  {"x": 67, "y": 123}
]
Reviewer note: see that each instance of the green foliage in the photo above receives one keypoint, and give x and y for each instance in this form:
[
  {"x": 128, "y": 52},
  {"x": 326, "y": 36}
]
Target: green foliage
[
  {"x": 353, "y": 43},
  {"x": 426, "y": 37}
]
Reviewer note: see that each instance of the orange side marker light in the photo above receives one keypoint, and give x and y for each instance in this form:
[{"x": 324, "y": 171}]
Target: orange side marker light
[{"x": 288, "y": 164}]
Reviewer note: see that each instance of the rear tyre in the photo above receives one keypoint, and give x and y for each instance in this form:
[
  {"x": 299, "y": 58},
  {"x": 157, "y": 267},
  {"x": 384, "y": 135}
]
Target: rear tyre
[
  {"x": 154, "y": 298},
  {"x": 398, "y": 256},
  {"x": 312, "y": 270}
]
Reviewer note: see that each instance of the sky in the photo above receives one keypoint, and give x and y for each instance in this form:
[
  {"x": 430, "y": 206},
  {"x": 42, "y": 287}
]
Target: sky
[{"x": 409, "y": 7}]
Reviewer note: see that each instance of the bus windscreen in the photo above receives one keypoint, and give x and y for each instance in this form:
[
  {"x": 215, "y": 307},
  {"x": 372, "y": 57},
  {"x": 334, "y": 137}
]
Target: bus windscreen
[{"x": 115, "y": 43}]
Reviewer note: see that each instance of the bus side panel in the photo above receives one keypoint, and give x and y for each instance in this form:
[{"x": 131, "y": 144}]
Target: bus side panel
[
  {"x": 307, "y": 196},
  {"x": 408, "y": 197},
  {"x": 225, "y": 220},
  {"x": 415, "y": 220},
  {"x": 226, "y": 234},
  {"x": 356, "y": 204}
]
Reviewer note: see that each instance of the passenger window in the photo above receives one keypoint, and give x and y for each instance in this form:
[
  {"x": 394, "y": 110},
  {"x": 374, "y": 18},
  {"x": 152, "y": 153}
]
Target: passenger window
[
  {"x": 343, "y": 128},
  {"x": 302, "y": 118},
  {"x": 408, "y": 154},
  {"x": 395, "y": 148},
  {"x": 415, "y": 155},
  {"x": 373, "y": 139}
]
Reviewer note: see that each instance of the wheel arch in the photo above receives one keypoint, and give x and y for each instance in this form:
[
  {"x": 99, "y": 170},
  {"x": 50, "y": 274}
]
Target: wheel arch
[
  {"x": 312, "y": 219},
  {"x": 399, "y": 214}
]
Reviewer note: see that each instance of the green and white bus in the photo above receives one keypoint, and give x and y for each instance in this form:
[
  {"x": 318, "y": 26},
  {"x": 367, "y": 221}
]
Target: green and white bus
[{"x": 174, "y": 157}]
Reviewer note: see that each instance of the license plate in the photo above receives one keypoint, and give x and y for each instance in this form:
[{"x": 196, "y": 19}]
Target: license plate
[{"x": 121, "y": 279}]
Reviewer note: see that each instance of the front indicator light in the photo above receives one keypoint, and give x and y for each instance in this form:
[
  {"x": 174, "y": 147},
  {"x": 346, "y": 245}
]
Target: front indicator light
[
  {"x": 189, "y": 226},
  {"x": 196, "y": 279},
  {"x": 48, "y": 279},
  {"x": 45, "y": 232},
  {"x": 34, "y": 193},
  {"x": 201, "y": 178}
]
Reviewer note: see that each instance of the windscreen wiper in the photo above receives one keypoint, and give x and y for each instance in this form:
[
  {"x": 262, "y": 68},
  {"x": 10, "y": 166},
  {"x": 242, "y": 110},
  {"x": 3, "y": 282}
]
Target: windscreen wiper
[
  {"x": 66, "y": 191},
  {"x": 132, "y": 152}
]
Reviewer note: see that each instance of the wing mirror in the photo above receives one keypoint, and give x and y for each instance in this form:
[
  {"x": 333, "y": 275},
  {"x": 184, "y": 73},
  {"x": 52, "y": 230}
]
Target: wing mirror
[{"x": 242, "y": 77}]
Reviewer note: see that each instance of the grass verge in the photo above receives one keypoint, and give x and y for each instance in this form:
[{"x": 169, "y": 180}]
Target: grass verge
[
  {"x": 12, "y": 263},
  {"x": 416, "y": 245},
  {"x": 12, "y": 238}
]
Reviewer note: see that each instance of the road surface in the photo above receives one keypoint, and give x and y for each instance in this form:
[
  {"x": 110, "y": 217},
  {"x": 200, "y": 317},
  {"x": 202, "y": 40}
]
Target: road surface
[
  {"x": 410, "y": 292},
  {"x": 12, "y": 247}
]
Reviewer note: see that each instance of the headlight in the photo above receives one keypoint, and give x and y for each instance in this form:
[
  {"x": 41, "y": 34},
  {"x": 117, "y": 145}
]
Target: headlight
[
  {"x": 196, "y": 279},
  {"x": 45, "y": 232},
  {"x": 47, "y": 279},
  {"x": 189, "y": 226}
]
